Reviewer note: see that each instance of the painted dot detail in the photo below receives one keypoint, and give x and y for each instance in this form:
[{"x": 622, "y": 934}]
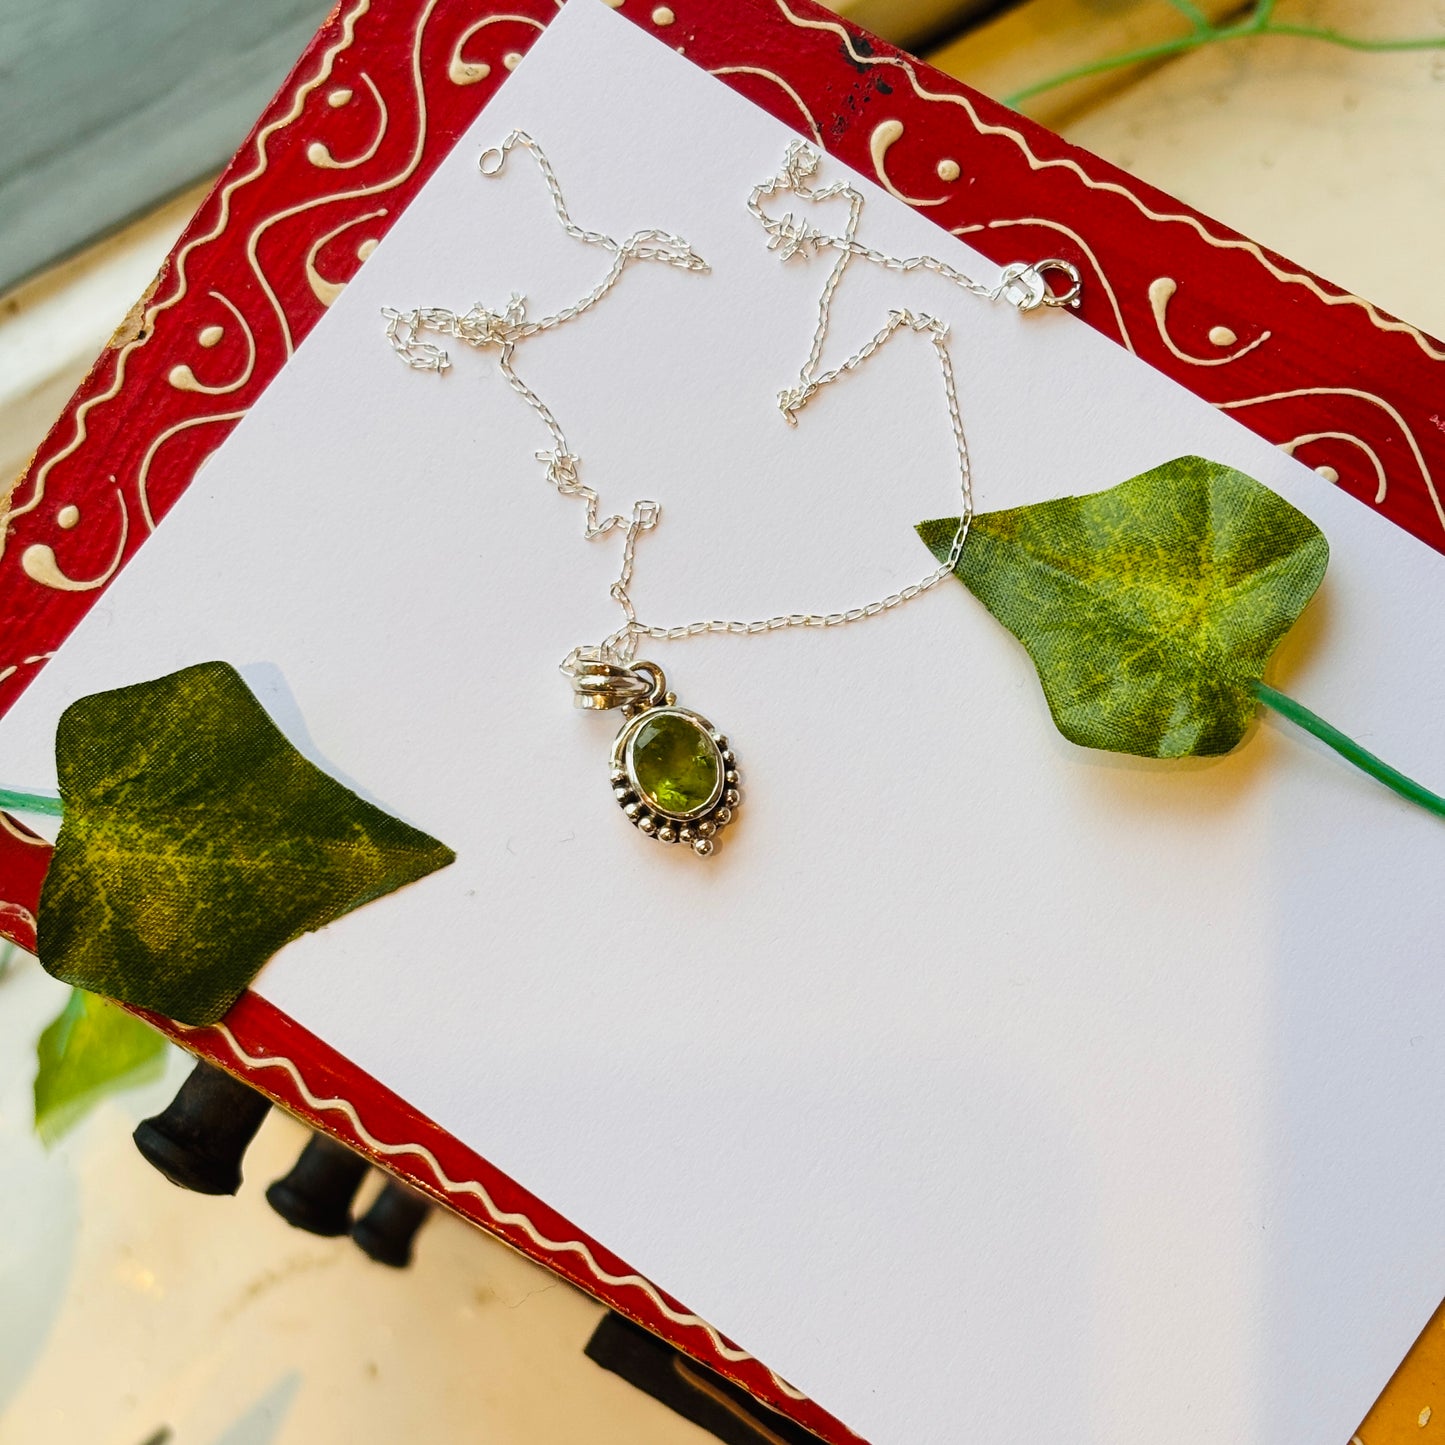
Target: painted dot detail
[
  {"x": 663, "y": 16},
  {"x": 339, "y": 97},
  {"x": 1222, "y": 336},
  {"x": 512, "y": 59},
  {"x": 948, "y": 170},
  {"x": 1328, "y": 473},
  {"x": 210, "y": 335},
  {"x": 67, "y": 517}
]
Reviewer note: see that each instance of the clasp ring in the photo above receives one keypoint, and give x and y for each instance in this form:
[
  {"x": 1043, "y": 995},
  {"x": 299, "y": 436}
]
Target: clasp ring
[{"x": 1025, "y": 284}]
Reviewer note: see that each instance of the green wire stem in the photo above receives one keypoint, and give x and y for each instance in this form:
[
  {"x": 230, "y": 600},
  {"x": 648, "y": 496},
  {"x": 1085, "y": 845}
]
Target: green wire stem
[
  {"x": 1258, "y": 22},
  {"x": 1349, "y": 749},
  {"x": 31, "y": 803},
  {"x": 1285, "y": 706}
]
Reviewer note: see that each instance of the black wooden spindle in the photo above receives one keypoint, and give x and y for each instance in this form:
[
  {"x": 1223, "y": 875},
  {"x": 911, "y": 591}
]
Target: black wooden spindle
[
  {"x": 198, "y": 1141},
  {"x": 318, "y": 1192},
  {"x": 386, "y": 1231}
]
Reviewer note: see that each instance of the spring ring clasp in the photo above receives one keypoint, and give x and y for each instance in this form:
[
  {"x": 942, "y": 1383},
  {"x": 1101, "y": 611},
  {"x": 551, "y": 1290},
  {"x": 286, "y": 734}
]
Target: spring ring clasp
[{"x": 1025, "y": 284}]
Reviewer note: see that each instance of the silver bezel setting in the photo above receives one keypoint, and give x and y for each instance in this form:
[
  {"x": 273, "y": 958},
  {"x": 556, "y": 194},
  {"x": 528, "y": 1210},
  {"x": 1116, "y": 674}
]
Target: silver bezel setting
[{"x": 697, "y": 829}]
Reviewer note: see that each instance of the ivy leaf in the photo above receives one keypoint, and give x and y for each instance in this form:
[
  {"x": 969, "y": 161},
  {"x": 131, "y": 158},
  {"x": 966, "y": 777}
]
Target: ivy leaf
[
  {"x": 1149, "y": 609},
  {"x": 92, "y": 1049},
  {"x": 196, "y": 842}
]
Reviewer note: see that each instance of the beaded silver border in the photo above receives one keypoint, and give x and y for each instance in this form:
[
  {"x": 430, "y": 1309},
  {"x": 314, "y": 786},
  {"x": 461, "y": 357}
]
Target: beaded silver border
[{"x": 697, "y": 829}]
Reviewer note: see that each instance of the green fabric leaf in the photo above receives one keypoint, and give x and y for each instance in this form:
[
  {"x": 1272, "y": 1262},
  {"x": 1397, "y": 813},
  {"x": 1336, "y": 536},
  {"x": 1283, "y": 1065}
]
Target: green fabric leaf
[
  {"x": 197, "y": 841},
  {"x": 92, "y": 1049},
  {"x": 1149, "y": 609}
]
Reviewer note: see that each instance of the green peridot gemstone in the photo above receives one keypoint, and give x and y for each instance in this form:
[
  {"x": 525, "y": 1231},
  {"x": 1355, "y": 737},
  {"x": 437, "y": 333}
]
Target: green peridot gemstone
[{"x": 676, "y": 765}]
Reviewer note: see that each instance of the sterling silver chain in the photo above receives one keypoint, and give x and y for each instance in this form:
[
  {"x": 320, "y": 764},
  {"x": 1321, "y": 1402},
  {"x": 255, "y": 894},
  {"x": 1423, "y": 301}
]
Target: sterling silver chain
[{"x": 1024, "y": 286}]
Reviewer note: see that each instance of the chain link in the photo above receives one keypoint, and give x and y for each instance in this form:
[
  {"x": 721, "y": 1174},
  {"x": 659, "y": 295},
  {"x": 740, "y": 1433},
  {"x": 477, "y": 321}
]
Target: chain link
[{"x": 791, "y": 237}]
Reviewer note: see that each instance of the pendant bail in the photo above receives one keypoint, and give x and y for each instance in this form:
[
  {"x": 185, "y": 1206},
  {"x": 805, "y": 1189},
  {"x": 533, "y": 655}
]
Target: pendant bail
[{"x": 600, "y": 682}]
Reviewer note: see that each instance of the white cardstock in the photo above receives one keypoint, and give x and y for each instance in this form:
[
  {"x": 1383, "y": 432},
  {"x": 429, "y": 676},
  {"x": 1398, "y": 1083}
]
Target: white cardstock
[{"x": 983, "y": 1086}]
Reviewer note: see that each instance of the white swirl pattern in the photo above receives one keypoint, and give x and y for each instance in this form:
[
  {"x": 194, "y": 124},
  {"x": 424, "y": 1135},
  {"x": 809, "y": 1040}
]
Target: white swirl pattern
[
  {"x": 319, "y": 153},
  {"x": 43, "y": 568},
  {"x": 1038, "y": 163},
  {"x": 885, "y": 135},
  {"x": 726, "y": 70},
  {"x": 1161, "y": 291},
  {"x": 1367, "y": 396},
  {"x": 475, "y": 1189},
  {"x": 184, "y": 379},
  {"x": 39, "y": 563}
]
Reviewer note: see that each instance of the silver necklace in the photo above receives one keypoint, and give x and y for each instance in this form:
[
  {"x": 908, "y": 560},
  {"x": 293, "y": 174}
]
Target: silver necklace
[{"x": 673, "y": 773}]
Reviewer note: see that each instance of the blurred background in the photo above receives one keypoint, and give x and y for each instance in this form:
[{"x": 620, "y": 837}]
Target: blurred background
[{"x": 132, "y": 1313}]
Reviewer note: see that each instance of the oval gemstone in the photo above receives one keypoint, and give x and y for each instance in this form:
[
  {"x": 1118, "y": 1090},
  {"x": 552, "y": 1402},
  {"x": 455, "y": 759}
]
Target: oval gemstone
[{"x": 676, "y": 765}]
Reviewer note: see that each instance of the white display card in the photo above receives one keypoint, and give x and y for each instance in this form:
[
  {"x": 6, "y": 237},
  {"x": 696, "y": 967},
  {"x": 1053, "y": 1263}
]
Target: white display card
[{"x": 985, "y": 1087}]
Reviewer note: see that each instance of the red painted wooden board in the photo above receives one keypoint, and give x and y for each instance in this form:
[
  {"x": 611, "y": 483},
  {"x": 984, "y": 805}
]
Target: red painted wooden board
[{"x": 373, "y": 105}]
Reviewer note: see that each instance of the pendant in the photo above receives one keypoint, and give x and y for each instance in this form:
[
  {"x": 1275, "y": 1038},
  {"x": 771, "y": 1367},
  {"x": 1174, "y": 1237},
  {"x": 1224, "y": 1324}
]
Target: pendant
[{"x": 673, "y": 774}]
